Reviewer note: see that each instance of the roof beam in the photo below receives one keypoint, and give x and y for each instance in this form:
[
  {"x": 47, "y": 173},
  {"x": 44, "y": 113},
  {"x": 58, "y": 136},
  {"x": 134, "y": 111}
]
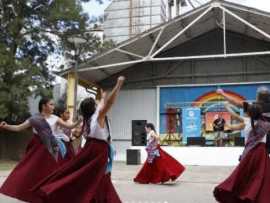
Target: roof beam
[
  {"x": 157, "y": 31},
  {"x": 224, "y": 33},
  {"x": 155, "y": 44},
  {"x": 129, "y": 53},
  {"x": 176, "y": 59},
  {"x": 245, "y": 22},
  {"x": 246, "y": 27},
  {"x": 246, "y": 9},
  {"x": 182, "y": 31},
  {"x": 152, "y": 38},
  {"x": 187, "y": 33},
  {"x": 144, "y": 34},
  {"x": 211, "y": 56}
]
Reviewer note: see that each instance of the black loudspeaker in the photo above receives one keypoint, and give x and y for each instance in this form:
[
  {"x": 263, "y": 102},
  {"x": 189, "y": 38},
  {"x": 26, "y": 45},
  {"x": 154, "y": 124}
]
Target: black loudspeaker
[
  {"x": 133, "y": 156},
  {"x": 200, "y": 141},
  {"x": 138, "y": 133},
  {"x": 239, "y": 141}
]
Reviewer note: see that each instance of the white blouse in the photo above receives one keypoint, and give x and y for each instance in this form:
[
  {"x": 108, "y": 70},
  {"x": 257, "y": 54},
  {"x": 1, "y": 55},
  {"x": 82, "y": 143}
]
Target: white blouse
[
  {"x": 96, "y": 131},
  {"x": 52, "y": 121},
  {"x": 60, "y": 134}
]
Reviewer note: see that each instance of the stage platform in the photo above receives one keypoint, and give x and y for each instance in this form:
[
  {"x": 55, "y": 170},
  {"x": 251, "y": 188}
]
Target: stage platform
[{"x": 195, "y": 155}]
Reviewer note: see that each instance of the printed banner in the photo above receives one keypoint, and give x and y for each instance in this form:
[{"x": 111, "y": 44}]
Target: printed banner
[{"x": 191, "y": 120}]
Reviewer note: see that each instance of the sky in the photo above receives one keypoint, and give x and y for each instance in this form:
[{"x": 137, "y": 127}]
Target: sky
[{"x": 93, "y": 8}]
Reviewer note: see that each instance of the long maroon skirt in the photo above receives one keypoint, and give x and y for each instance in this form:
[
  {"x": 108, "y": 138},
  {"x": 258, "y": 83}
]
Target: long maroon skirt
[
  {"x": 36, "y": 164},
  {"x": 69, "y": 155},
  {"x": 82, "y": 179},
  {"x": 250, "y": 180},
  {"x": 162, "y": 169}
]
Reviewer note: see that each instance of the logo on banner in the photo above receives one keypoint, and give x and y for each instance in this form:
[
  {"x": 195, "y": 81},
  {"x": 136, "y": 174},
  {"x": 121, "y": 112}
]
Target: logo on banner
[{"x": 191, "y": 120}]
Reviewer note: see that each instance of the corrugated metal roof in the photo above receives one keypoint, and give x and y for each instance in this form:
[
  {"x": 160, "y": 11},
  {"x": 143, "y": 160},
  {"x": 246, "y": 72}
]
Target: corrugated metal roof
[{"x": 100, "y": 66}]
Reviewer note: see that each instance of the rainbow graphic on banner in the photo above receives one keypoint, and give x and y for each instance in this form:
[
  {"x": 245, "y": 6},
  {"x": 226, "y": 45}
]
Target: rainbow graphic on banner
[
  {"x": 212, "y": 103},
  {"x": 212, "y": 96}
]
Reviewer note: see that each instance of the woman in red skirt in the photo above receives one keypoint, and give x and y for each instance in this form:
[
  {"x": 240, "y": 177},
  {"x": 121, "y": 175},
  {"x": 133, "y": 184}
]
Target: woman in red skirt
[
  {"x": 65, "y": 135},
  {"x": 159, "y": 167},
  {"x": 85, "y": 179},
  {"x": 250, "y": 180},
  {"x": 41, "y": 156}
]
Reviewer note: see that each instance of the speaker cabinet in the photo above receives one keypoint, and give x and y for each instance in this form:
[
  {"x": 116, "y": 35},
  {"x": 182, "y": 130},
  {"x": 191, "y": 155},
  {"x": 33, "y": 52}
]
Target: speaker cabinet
[
  {"x": 239, "y": 141},
  {"x": 138, "y": 132},
  {"x": 133, "y": 156},
  {"x": 199, "y": 141}
]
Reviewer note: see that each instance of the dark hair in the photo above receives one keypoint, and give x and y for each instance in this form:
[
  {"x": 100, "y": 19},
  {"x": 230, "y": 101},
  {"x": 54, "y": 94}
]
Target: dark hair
[
  {"x": 43, "y": 101},
  {"x": 255, "y": 113},
  {"x": 151, "y": 126},
  {"x": 87, "y": 109},
  {"x": 263, "y": 95},
  {"x": 59, "y": 110}
]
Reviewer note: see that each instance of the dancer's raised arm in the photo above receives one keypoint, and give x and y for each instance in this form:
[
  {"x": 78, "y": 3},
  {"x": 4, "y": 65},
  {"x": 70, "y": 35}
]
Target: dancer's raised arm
[
  {"x": 69, "y": 125},
  {"x": 108, "y": 101},
  {"x": 15, "y": 128},
  {"x": 241, "y": 125},
  {"x": 229, "y": 98}
]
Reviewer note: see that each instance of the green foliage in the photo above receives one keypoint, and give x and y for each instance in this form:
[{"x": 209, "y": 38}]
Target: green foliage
[{"x": 30, "y": 31}]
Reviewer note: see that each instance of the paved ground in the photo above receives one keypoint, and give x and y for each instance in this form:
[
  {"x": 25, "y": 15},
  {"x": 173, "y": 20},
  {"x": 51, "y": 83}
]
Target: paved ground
[{"x": 194, "y": 186}]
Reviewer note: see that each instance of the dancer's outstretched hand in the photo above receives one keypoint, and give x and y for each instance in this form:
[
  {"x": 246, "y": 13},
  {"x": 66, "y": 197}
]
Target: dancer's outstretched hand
[
  {"x": 3, "y": 124},
  {"x": 121, "y": 78},
  {"x": 220, "y": 91}
]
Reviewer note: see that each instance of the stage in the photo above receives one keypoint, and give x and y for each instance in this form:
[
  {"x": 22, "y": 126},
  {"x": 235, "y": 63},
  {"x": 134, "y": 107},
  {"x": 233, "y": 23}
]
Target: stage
[{"x": 202, "y": 156}]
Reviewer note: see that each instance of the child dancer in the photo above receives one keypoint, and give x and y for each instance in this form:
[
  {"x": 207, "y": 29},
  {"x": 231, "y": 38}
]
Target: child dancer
[
  {"x": 84, "y": 179},
  {"x": 42, "y": 152},
  {"x": 159, "y": 167},
  {"x": 65, "y": 134},
  {"x": 250, "y": 180}
]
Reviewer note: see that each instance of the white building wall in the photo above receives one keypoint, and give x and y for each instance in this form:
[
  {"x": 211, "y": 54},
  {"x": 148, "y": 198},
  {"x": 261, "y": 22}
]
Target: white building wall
[{"x": 131, "y": 105}]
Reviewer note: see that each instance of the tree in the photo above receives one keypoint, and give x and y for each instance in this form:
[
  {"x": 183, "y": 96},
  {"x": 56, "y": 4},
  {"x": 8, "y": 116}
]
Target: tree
[{"x": 30, "y": 31}]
